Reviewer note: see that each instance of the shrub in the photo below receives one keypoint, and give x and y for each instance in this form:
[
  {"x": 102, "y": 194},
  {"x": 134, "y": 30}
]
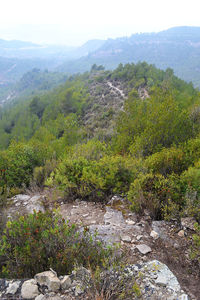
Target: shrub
[
  {"x": 36, "y": 242},
  {"x": 167, "y": 161},
  {"x": 156, "y": 194},
  {"x": 95, "y": 179},
  {"x": 190, "y": 180}
]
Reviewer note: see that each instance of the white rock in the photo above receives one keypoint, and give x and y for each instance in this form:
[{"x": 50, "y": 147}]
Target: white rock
[
  {"x": 181, "y": 233},
  {"x": 66, "y": 283},
  {"x": 40, "y": 297},
  {"x": 183, "y": 297},
  {"x": 139, "y": 237},
  {"x": 13, "y": 287},
  {"x": 49, "y": 279},
  {"x": 29, "y": 289},
  {"x": 130, "y": 222},
  {"x": 161, "y": 280},
  {"x": 144, "y": 249},
  {"x": 126, "y": 238},
  {"x": 20, "y": 197},
  {"x": 154, "y": 235}
]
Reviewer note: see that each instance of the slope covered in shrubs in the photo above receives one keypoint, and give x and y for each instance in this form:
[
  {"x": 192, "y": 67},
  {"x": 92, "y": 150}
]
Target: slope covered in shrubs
[{"x": 151, "y": 158}]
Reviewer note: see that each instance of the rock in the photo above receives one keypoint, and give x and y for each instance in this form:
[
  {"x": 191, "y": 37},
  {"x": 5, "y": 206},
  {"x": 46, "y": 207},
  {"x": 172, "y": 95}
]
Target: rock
[
  {"x": 40, "y": 297},
  {"x": 188, "y": 223},
  {"x": 113, "y": 217},
  {"x": 35, "y": 204},
  {"x": 48, "y": 279},
  {"x": 160, "y": 228},
  {"x": 181, "y": 233},
  {"x": 183, "y": 297},
  {"x": 116, "y": 200},
  {"x": 130, "y": 222},
  {"x": 165, "y": 276},
  {"x": 139, "y": 237},
  {"x": 20, "y": 198},
  {"x": 126, "y": 238},
  {"x": 161, "y": 280},
  {"x": 82, "y": 274},
  {"x": 144, "y": 249},
  {"x": 13, "y": 287},
  {"x": 106, "y": 233},
  {"x": 79, "y": 290},
  {"x": 29, "y": 289},
  {"x": 66, "y": 283},
  {"x": 154, "y": 235}
]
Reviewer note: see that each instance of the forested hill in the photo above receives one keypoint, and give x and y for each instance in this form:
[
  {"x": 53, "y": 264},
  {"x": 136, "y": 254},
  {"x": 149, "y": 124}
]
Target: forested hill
[
  {"x": 132, "y": 132},
  {"x": 177, "y": 48}
]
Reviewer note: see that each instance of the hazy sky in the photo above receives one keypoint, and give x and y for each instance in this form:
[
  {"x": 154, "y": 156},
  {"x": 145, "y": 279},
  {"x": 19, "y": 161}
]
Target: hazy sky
[{"x": 73, "y": 22}]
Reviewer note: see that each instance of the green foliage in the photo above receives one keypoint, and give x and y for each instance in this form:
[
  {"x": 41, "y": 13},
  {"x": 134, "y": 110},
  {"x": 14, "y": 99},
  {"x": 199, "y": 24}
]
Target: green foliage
[
  {"x": 39, "y": 241},
  {"x": 156, "y": 194},
  {"x": 94, "y": 179},
  {"x": 145, "y": 127},
  {"x": 190, "y": 180},
  {"x": 195, "y": 249},
  {"x": 19, "y": 161},
  {"x": 167, "y": 161}
]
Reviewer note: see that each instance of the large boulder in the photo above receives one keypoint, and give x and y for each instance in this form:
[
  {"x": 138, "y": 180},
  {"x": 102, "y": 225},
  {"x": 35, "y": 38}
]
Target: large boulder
[
  {"x": 29, "y": 289},
  {"x": 48, "y": 279}
]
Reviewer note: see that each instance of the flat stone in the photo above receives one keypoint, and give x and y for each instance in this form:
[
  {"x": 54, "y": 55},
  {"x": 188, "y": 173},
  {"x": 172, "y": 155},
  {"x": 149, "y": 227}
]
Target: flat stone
[
  {"x": 29, "y": 289},
  {"x": 144, "y": 249},
  {"x": 113, "y": 217},
  {"x": 126, "y": 238},
  {"x": 161, "y": 280},
  {"x": 13, "y": 287},
  {"x": 49, "y": 279}
]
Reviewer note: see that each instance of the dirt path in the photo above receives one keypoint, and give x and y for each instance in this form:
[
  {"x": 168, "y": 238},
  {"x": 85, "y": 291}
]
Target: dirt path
[{"x": 116, "y": 89}]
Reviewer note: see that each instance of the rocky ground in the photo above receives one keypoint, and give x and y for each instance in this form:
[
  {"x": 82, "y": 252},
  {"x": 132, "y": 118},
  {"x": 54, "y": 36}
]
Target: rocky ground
[{"x": 156, "y": 249}]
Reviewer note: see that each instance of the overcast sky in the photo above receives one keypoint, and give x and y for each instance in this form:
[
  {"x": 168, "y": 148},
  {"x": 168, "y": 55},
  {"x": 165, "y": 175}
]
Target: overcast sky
[{"x": 73, "y": 22}]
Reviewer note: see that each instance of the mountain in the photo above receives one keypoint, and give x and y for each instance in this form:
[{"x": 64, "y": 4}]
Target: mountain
[
  {"x": 177, "y": 48},
  {"x": 18, "y": 57}
]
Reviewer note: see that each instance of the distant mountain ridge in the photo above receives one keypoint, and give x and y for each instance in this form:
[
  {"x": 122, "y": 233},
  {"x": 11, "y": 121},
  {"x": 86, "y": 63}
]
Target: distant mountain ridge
[{"x": 177, "y": 48}]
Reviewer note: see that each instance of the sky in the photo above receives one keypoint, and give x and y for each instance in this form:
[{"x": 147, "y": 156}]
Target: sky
[{"x": 73, "y": 22}]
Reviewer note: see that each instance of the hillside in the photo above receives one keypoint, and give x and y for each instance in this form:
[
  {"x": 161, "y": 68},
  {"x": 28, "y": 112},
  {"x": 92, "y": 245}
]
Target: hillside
[
  {"x": 34, "y": 82},
  {"x": 177, "y": 48},
  {"x": 118, "y": 153}
]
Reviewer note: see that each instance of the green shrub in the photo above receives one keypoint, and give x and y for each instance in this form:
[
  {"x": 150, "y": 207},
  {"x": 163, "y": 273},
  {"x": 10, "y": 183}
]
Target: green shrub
[
  {"x": 36, "y": 242},
  {"x": 94, "y": 179},
  {"x": 156, "y": 194},
  {"x": 190, "y": 180},
  {"x": 167, "y": 161}
]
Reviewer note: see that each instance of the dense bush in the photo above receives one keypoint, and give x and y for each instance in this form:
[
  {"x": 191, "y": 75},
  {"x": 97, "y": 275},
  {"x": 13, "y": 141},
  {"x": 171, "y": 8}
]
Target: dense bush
[
  {"x": 39, "y": 241},
  {"x": 159, "y": 195},
  {"x": 167, "y": 161},
  {"x": 190, "y": 181},
  {"x": 95, "y": 179}
]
